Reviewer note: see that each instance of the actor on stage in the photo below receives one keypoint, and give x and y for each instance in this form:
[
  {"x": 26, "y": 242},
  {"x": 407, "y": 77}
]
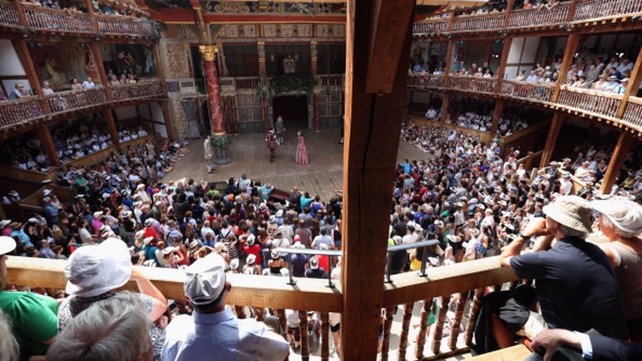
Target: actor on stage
[
  {"x": 208, "y": 153},
  {"x": 272, "y": 144}
]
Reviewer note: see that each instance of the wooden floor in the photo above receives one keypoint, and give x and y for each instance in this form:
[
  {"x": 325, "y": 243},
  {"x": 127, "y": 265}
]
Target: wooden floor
[{"x": 322, "y": 176}]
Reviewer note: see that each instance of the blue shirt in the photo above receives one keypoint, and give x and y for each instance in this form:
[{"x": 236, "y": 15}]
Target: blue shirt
[{"x": 221, "y": 336}]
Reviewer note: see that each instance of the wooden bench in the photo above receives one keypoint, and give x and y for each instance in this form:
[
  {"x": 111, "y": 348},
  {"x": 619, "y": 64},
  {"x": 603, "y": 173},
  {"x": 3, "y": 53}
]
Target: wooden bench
[{"x": 513, "y": 353}]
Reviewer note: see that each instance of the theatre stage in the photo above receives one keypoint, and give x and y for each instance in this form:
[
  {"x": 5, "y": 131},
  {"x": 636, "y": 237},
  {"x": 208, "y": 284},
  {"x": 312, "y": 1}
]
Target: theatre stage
[{"x": 250, "y": 155}]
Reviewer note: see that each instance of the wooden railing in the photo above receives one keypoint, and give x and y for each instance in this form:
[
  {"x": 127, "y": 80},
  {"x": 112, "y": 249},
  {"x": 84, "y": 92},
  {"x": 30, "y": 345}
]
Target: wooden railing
[
  {"x": 539, "y": 17},
  {"x": 48, "y": 20},
  {"x": 597, "y": 9},
  {"x": 117, "y": 25},
  {"x": 141, "y": 89},
  {"x": 75, "y": 99},
  {"x": 467, "y": 282},
  {"x": 432, "y": 26},
  {"x": 427, "y": 81},
  {"x": 331, "y": 80},
  {"x": 54, "y": 20},
  {"x": 9, "y": 15},
  {"x": 590, "y": 101},
  {"x": 527, "y": 91},
  {"x": 474, "y": 84},
  {"x": 518, "y": 20},
  {"x": 13, "y": 112},
  {"x": 484, "y": 22},
  {"x": 633, "y": 113},
  {"x": 247, "y": 83},
  {"x": 20, "y": 111}
]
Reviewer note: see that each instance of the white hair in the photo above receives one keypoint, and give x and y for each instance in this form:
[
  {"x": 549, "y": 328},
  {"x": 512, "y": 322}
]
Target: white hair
[
  {"x": 606, "y": 222},
  {"x": 8, "y": 344},
  {"x": 113, "y": 329}
]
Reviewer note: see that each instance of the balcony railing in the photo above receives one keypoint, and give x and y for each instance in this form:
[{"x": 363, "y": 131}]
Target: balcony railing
[
  {"x": 247, "y": 83},
  {"x": 519, "y": 20},
  {"x": 48, "y": 20},
  {"x": 466, "y": 282},
  {"x": 539, "y": 17},
  {"x": 527, "y": 91},
  {"x": 141, "y": 89},
  {"x": 590, "y": 101},
  {"x": 477, "y": 85},
  {"x": 9, "y": 15},
  {"x": 633, "y": 113},
  {"x": 597, "y": 9},
  {"x": 433, "y": 26},
  {"x": 331, "y": 80},
  {"x": 14, "y": 112},
  {"x": 75, "y": 99},
  {"x": 55, "y": 20},
  {"x": 470, "y": 23},
  {"x": 24, "y": 110},
  {"x": 115, "y": 25}
]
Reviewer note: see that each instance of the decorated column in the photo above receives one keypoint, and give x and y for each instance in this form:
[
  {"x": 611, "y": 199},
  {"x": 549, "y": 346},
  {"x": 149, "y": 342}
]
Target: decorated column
[{"x": 213, "y": 91}]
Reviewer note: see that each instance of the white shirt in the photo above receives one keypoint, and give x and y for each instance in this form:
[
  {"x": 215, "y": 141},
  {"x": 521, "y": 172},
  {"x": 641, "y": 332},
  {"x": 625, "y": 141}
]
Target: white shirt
[
  {"x": 220, "y": 335},
  {"x": 88, "y": 85}
]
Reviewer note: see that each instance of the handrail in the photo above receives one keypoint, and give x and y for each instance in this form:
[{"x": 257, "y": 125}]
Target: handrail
[
  {"x": 589, "y": 100},
  {"x": 247, "y": 290},
  {"x": 39, "y": 18},
  {"x": 520, "y": 19},
  {"x": 542, "y": 92},
  {"x": 28, "y": 109}
]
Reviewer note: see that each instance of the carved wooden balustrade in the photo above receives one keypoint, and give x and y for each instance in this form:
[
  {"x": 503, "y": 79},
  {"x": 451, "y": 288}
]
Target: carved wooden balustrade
[
  {"x": 331, "y": 80},
  {"x": 539, "y": 17},
  {"x": 527, "y": 91},
  {"x": 75, "y": 100},
  {"x": 484, "y": 22},
  {"x": 247, "y": 83},
  {"x": 121, "y": 25},
  {"x": 55, "y": 20},
  {"x": 590, "y": 101},
  {"x": 426, "y": 81},
  {"x": 597, "y": 9},
  {"x": 462, "y": 284},
  {"x": 432, "y": 26},
  {"x": 141, "y": 89},
  {"x": 9, "y": 15},
  {"x": 633, "y": 113},
  {"x": 14, "y": 112},
  {"x": 46, "y": 20},
  {"x": 473, "y": 84}
]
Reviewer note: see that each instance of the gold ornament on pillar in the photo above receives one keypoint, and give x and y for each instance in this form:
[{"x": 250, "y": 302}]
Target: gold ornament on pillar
[{"x": 208, "y": 52}]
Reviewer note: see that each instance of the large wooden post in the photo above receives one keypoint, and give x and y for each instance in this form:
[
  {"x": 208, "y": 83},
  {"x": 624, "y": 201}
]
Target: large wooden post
[
  {"x": 445, "y": 108},
  {"x": 159, "y": 67},
  {"x": 551, "y": 139},
  {"x": 261, "y": 50},
  {"x": 497, "y": 114},
  {"x": 111, "y": 125},
  {"x": 449, "y": 59},
  {"x": 27, "y": 63},
  {"x": 574, "y": 42},
  {"x": 98, "y": 60},
  {"x": 314, "y": 57},
  {"x": 375, "y": 88},
  {"x": 501, "y": 70},
  {"x": 622, "y": 148},
  {"x": 47, "y": 142},
  {"x": 634, "y": 85},
  {"x": 509, "y": 11}
]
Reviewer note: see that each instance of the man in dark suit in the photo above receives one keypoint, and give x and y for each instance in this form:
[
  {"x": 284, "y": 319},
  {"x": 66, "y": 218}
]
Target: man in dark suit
[{"x": 593, "y": 346}]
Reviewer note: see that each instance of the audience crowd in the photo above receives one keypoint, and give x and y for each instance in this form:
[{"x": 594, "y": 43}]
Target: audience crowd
[{"x": 463, "y": 194}]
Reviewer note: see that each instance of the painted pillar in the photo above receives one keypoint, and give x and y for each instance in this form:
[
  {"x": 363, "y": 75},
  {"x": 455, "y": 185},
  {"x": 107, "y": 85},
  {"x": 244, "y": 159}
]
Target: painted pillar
[
  {"x": 314, "y": 57},
  {"x": 261, "y": 50},
  {"x": 213, "y": 91},
  {"x": 316, "y": 118}
]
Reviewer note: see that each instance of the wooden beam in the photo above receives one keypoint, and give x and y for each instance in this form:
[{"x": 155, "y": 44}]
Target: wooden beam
[
  {"x": 501, "y": 70},
  {"x": 373, "y": 127},
  {"x": 449, "y": 60},
  {"x": 622, "y": 148},
  {"x": 27, "y": 63},
  {"x": 497, "y": 114},
  {"x": 509, "y": 10},
  {"x": 551, "y": 139},
  {"x": 445, "y": 108},
  {"x": 159, "y": 67},
  {"x": 111, "y": 125},
  {"x": 385, "y": 45},
  {"x": 98, "y": 59},
  {"x": 634, "y": 85},
  {"x": 47, "y": 143},
  {"x": 254, "y": 291},
  {"x": 573, "y": 44}
]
